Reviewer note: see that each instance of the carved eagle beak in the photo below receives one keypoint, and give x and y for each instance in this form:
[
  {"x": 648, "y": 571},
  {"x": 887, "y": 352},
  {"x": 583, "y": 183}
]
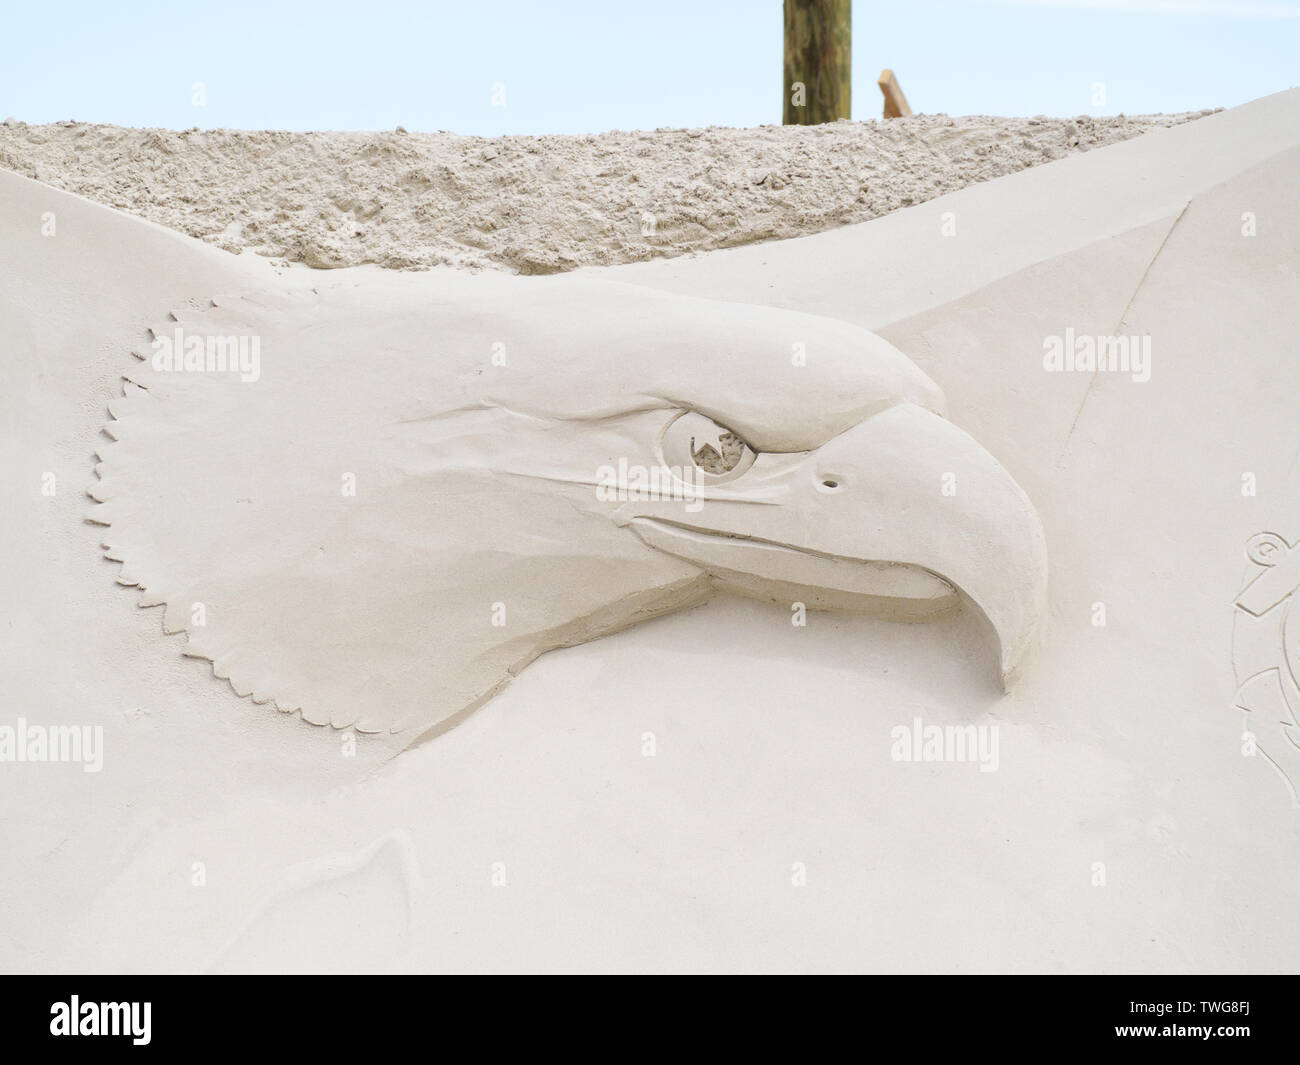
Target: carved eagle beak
[{"x": 902, "y": 515}]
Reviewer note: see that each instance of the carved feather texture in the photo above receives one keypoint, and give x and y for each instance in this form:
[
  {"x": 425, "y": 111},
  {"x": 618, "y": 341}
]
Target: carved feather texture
[{"x": 383, "y": 522}]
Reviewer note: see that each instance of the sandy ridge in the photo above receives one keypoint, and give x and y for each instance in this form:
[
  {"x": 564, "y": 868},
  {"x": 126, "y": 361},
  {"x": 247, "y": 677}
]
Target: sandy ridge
[{"x": 535, "y": 204}]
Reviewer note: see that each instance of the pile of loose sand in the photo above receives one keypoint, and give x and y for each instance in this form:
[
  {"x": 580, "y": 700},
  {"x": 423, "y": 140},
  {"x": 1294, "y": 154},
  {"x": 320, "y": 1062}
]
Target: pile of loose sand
[{"x": 535, "y": 204}]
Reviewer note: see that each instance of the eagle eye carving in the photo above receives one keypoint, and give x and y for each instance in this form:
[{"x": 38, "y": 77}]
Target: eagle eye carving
[{"x": 700, "y": 447}]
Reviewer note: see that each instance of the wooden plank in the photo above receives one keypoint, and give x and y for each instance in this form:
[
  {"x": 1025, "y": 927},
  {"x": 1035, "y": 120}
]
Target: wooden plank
[{"x": 895, "y": 102}]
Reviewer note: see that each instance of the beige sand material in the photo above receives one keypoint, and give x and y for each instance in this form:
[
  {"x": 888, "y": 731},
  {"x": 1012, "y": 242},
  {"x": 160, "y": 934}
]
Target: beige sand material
[
  {"x": 716, "y": 790},
  {"x": 536, "y": 204}
]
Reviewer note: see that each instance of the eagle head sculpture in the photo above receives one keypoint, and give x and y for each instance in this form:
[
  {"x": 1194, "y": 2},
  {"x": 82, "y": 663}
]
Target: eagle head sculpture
[{"x": 377, "y": 501}]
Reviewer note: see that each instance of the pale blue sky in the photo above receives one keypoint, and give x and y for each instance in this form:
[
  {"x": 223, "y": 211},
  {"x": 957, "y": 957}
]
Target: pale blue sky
[{"x": 582, "y": 66}]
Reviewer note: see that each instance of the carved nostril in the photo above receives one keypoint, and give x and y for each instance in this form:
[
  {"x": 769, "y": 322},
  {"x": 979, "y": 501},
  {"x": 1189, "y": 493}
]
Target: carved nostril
[{"x": 830, "y": 483}]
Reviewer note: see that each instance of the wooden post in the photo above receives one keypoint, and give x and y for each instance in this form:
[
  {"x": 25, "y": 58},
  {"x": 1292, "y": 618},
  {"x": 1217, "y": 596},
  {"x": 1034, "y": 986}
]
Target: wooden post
[
  {"x": 895, "y": 101},
  {"x": 818, "y": 61}
]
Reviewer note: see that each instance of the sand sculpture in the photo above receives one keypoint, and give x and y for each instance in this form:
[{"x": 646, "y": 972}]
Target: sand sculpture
[
  {"x": 378, "y": 506},
  {"x": 661, "y": 789}
]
